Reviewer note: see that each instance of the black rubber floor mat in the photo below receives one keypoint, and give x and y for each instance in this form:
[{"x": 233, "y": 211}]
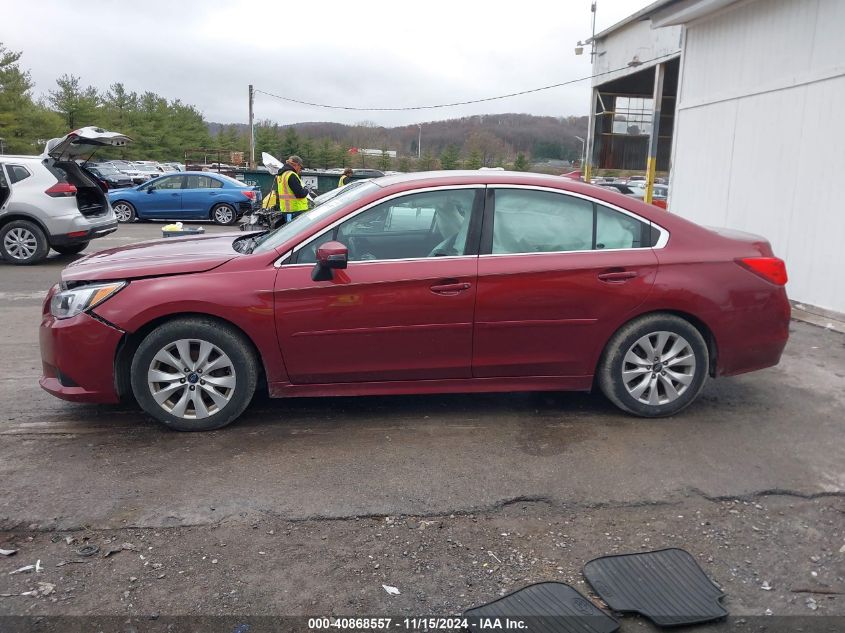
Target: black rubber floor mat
[
  {"x": 546, "y": 607},
  {"x": 667, "y": 586}
]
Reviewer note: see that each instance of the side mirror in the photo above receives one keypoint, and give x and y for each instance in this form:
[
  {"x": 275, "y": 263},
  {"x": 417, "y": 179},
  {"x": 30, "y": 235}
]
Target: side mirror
[
  {"x": 150, "y": 189},
  {"x": 330, "y": 255}
]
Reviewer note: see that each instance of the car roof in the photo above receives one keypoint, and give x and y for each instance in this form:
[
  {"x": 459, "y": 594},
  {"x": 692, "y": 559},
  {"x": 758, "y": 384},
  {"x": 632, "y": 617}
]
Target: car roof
[{"x": 20, "y": 157}]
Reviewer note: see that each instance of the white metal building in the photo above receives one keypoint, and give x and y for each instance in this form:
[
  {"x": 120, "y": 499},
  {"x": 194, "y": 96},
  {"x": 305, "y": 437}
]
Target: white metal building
[{"x": 752, "y": 129}]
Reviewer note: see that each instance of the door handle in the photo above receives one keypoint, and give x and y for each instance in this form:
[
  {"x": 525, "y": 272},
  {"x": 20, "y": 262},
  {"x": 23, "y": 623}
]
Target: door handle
[
  {"x": 450, "y": 289},
  {"x": 619, "y": 276}
]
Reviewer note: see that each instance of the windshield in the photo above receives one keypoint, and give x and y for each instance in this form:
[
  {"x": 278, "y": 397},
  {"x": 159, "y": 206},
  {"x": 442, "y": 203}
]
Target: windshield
[
  {"x": 325, "y": 197},
  {"x": 272, "y": 239}
]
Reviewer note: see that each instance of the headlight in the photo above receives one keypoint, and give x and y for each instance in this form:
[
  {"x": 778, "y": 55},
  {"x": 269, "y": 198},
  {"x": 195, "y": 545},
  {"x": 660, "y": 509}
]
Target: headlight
[{"x": 69, "y": 303}]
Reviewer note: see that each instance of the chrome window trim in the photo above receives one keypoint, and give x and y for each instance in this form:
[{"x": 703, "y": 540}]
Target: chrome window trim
[
  {"x": 335, "y": 224},
  {"x": 661, "y": 241}
]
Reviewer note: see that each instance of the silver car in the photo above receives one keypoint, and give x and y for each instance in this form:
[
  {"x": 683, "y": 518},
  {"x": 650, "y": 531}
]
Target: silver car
[{"x": 48, "y": 202}]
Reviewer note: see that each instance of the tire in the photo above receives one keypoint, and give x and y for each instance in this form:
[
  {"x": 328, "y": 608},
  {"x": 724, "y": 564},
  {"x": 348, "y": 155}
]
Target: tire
[
  {"x": 642, "y": 390},
  {"x": 232, "y": 364},
  {"x": 23, "y": 243},
  {"x": 223, "y": 214},
  {"x": 71, "y": 249},
  {"x": 124, "y": 211}
]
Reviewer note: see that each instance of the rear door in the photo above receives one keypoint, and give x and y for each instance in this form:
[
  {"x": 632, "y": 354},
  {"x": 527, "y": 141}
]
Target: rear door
[
  {"x": 200, "y": 194},
  {"x": 557, "y": 274}
]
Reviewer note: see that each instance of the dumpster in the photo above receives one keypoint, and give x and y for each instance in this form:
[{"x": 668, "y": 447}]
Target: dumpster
[{"x": 321, "y": 181}]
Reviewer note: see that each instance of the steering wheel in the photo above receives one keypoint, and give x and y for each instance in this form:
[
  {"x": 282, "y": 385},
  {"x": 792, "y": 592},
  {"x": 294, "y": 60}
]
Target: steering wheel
[{"x": 445, "y": 248}]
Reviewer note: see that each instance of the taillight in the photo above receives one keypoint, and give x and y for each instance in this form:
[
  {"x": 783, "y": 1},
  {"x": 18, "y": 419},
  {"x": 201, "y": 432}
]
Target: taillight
[
  {"x": 249, "y": 193},
  {"x": 61, "y": 190},
  {"x": 771, "y": 269}
]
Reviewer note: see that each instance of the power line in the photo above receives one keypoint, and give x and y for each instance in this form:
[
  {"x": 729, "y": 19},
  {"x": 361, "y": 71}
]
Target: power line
[{"x": 457, "y": 103}]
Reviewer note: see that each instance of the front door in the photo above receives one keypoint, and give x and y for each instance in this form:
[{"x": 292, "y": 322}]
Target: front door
[
  {"x": 556, "y": 277},
  {"x": 402, "y": 310},
  {"x": 163, "y": 198}
]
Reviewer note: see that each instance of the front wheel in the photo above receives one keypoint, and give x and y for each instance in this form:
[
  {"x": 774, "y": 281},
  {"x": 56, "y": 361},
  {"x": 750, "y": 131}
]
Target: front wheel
[
  {"x": 71, "y": 249},
  {"x": 223, "y": 214},
  {"x": 654, "y": 366},
  {"x": 124, "y": 212},
  {"x": 194, "y": 374}
]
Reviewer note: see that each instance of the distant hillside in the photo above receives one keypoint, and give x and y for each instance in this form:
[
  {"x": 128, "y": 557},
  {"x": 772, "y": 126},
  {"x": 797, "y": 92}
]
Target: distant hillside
[{"x": 493, "y": 139}]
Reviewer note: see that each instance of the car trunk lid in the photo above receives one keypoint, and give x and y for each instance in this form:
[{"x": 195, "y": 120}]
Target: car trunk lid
[{"x": 83, "y": 141}]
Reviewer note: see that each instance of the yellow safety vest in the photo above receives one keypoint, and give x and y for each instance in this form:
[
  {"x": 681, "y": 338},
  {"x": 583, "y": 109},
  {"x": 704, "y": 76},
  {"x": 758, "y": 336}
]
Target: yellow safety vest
[
  {"x": 341, "y": 182},
  {"x": 288, "y": 202}
]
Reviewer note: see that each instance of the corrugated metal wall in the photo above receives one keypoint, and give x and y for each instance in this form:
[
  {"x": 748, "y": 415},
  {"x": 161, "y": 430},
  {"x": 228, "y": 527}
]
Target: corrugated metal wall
[{"x": 760, "y": 134}]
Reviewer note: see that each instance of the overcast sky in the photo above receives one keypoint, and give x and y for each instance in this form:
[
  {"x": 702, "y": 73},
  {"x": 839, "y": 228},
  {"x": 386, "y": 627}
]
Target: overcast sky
[{"x": 373, "y": 53}]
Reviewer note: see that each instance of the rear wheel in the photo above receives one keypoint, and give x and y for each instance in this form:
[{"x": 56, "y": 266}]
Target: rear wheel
[
  {"x": 223, "y": 214},
  {"x": 71, "y": 249},
  {"x": 124, "y": 212},
  {"x": 654, "y": 366},
  {"x": 194, "y": 374},
  {"x": 23, "y": 243}
]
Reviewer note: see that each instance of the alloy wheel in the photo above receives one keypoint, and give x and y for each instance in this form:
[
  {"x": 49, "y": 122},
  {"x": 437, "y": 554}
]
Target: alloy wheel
[
  {"x": 223, "y": 215},
  {"x": 122, "y": 212},
  {"x": 20, "y": 243},
  {"x": 191, "y": 379},
  {"x": 658, "y": 368}
]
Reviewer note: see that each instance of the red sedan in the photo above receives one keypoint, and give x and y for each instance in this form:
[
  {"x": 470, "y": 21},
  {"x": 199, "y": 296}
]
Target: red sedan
[{"x": 424, "y": 283}]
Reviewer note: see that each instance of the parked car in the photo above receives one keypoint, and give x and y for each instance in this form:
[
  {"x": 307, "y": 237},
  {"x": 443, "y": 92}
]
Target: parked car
[
  {"x": 124, "y": 166},
  {"x": 48, "y": 202},
  {"x": 189, "y": 195},
  {"x": 151, "y": 170},
  {"x": 625, "y": 189},
  {"x": 660, "y": 193},
  {"x": 111, "y": 176},
  {"x": 421, "y": 283}
]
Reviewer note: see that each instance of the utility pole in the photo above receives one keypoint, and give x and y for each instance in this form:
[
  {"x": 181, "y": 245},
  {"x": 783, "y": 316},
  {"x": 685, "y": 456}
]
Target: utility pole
[
  {"x": 419, "y": 143},
  {"x": 251, "y": 129}
]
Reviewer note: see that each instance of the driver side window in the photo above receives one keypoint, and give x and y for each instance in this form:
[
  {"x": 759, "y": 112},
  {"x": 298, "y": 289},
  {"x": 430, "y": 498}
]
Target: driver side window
[
  {"x": 420, "y": 225},
  {"x": 170, "y": 182}
]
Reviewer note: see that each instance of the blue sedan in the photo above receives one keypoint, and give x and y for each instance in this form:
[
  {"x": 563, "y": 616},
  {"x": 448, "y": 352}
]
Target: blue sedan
[{"x": 189, "y": 195}]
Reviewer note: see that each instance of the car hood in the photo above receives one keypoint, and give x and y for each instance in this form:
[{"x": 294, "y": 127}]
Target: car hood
[{"x": 169, "y": 256}]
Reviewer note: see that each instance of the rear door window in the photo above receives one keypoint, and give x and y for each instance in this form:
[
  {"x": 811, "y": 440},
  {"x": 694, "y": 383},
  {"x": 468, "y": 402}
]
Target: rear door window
[
  {"x": 202, "y": 182},
  {"x": 530, "y": 221},
  {"x": 17, "y": 173}
]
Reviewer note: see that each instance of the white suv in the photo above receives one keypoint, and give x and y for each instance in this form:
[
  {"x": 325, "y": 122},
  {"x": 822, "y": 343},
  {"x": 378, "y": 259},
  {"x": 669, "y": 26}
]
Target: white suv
[{"x": 48, "y": 202}]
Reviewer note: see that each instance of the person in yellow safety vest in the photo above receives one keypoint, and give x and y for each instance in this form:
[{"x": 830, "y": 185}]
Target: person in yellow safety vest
[
  {"x": 293, "y": 197},
  {"x": 344, "y": 179}
]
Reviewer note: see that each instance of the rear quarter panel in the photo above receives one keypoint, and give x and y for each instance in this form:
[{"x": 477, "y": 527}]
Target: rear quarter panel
[{"x": 747, "y": 316}]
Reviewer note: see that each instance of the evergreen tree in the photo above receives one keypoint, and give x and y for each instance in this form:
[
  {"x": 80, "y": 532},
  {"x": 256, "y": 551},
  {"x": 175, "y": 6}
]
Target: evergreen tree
[
  {"x": 290, "y": 144},
  {"x": 384, "y": 161},
  {"x": 22, "y": 122},
  {"x": 78, "y": 106},
  {"x": 426, "y": 162},
  {"x": 474, "y": 160},
  {"x": 521, "y": 163},
  {"x": 449, "y": 158}
]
